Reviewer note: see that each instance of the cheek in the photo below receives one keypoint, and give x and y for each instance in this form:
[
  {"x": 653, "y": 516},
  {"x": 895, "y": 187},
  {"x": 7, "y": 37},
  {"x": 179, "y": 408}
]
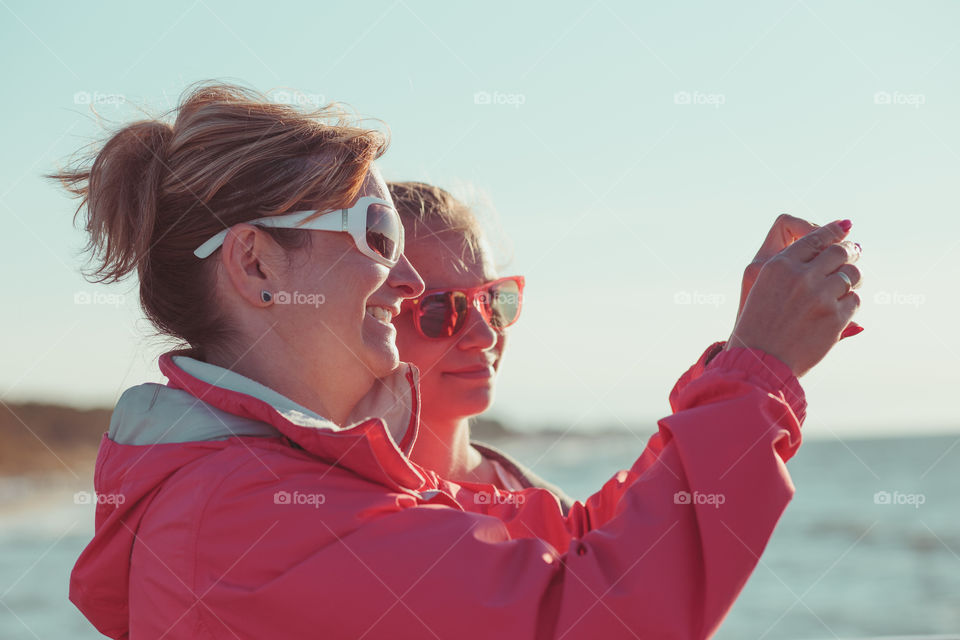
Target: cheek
[
  {"x": 416, "y": 349},
  {"x": 344, "y": 292}
]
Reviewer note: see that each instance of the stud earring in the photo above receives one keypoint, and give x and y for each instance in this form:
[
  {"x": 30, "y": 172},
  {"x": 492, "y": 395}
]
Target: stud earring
[{"x": 265, "y": 295}]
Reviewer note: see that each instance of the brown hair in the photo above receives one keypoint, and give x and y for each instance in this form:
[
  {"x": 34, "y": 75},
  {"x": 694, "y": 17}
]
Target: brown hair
[
  {"x": 154, "y": 191},
  {"x": 427, "y": 210}
]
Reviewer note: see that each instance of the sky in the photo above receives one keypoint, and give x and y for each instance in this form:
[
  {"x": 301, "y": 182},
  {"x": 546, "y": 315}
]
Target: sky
[{"x": 629, "y": 158}]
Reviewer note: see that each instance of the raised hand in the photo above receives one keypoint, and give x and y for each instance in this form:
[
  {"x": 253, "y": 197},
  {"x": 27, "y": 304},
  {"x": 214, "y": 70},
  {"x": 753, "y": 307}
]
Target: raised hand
[{"x": 799, "y": 303}]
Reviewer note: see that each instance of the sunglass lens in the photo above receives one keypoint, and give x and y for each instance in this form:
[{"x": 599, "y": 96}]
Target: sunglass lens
[
  {"x": 504, "y": 304},
  {"x": 384, "y": 234},
  {"x": 443, "y": 314}
]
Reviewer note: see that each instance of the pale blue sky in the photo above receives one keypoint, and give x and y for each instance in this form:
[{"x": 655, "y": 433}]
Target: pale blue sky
[{"x": 634, "y": 153}]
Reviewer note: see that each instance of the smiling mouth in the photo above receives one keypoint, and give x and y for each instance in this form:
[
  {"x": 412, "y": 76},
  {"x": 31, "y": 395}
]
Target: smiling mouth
[
  {"x": 381, "y": 314},
  {"x": 479, "y": 371}
]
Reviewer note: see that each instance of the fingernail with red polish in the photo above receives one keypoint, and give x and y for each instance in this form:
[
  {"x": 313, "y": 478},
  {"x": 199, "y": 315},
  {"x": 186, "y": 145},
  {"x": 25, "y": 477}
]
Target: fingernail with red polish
[
  {"x": 845, "y": 225},
  {"x": 852, "y": 329}
]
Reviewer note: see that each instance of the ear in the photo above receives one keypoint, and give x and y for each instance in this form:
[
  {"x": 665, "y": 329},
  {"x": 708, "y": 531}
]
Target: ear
[{"x": 252, "y": 261}]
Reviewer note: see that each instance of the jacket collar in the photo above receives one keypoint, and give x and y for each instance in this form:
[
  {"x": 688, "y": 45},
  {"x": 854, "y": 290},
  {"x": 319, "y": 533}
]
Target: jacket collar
[{"x": 375, "y": 442}]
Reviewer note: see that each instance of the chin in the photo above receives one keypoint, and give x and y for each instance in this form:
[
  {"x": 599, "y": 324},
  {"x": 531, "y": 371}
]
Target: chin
[
  {"x": 475, "y": 402},
  {"x": 383, "y": 361},
  {"x": 379, "y": 353}
]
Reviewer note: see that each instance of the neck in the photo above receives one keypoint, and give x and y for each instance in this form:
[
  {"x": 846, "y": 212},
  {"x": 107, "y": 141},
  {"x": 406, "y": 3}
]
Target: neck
[
  {"x": 443, "y": 445},
  {"x": 327, "y": 390}
]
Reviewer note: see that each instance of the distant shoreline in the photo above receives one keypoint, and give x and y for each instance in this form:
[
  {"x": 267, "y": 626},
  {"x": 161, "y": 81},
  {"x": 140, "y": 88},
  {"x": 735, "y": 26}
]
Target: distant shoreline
[{"x": 39, "y": 438}]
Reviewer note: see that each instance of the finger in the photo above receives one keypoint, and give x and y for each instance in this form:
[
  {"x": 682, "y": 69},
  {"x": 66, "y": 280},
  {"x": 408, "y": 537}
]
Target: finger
[
  {"x": 811, "y": 245},
  {"x": 836, "y": 255},
  {"x": 849, "y": 304},
  {"x": 843, "y": 280},
  {"x": 853, "y": 272},
  {"x": 785, "y": 231}
]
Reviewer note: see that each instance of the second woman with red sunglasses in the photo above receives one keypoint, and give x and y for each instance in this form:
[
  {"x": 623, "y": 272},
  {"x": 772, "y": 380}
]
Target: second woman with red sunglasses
[{"x": 455, "y": 333}]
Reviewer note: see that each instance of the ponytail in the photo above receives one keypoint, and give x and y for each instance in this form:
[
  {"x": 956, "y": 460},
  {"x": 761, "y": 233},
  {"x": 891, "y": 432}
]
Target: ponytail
[{"x": 119, "y": 192}]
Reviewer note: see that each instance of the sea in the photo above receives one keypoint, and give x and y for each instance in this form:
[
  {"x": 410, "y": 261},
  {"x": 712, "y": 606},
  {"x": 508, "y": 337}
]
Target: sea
[{"x": 869, "y": 547}]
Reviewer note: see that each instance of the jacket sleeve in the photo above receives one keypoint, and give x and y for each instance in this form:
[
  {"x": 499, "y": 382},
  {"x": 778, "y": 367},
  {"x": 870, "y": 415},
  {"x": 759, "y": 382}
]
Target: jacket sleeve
[
  {"x": 667, "y": 545},
  {"x": 694, "y": 372},
  {"x": 716, "y": 375}
]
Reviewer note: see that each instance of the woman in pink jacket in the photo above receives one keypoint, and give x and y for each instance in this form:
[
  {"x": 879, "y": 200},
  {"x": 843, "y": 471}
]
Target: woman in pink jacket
[
  {"x": 455, "y": 333},
  {"x": 266, "y": 491}
]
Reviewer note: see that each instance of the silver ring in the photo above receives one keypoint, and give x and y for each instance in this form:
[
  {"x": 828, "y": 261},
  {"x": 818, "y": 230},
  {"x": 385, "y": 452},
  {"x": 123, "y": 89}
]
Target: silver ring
[{"x": 846, "y": 278}]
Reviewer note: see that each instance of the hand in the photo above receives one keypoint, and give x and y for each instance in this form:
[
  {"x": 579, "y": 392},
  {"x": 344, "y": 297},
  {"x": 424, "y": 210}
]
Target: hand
[
  {"x": 785, "y": 231},
  {"x": 798, "y": 304}
]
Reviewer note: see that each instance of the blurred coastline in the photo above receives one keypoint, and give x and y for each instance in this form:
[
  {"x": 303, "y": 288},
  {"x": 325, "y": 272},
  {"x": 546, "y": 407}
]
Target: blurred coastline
[{"x": 47, "y": 445}]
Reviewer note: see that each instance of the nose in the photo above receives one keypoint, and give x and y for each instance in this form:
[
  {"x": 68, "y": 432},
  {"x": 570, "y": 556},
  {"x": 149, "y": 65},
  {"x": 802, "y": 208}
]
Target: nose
[
  {"x": 477, "y": 334},
  {"x": 405, "y": 278}
]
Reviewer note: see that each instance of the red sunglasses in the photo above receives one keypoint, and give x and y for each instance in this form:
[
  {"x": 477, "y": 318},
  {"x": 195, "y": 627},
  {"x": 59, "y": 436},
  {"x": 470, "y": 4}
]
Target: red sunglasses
[{"x": 442, "y": 313}]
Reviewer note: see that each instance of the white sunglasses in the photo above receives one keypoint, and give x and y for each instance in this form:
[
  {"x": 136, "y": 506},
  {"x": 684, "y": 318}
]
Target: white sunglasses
[{"x": 373, "y": 223}]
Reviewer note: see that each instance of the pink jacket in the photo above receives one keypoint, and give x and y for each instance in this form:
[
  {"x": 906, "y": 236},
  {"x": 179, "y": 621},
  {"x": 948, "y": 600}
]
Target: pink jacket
[{"x": 227, "y": 511}]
